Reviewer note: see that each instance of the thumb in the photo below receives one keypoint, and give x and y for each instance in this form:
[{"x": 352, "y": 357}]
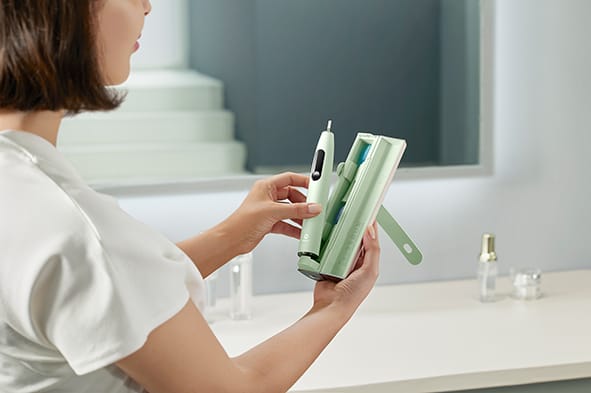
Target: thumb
[{"x": 297, "y": 210}]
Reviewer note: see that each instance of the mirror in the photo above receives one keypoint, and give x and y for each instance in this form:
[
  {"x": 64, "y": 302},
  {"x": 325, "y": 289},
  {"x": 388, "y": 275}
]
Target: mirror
[
  {"x": 227, "y": 87},
  {"x": 402, "y": 68}
]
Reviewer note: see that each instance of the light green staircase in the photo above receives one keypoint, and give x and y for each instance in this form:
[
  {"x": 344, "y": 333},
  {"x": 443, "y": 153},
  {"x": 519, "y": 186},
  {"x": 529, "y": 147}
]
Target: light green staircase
[{"x": 171, "y": 127}]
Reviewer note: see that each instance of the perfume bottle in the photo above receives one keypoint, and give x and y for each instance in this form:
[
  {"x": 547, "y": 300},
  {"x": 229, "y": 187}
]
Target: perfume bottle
[
  {"x": 241, "y": 287},
  {"x": 487, "y": 269}
]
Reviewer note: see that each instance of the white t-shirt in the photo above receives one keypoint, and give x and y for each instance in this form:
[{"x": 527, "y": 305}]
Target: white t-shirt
[{"x": 82, "y": 283}]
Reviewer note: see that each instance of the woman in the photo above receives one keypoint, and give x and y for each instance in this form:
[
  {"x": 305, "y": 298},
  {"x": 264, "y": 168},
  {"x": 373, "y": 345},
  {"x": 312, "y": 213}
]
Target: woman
[{"x": 90, "y": 299}]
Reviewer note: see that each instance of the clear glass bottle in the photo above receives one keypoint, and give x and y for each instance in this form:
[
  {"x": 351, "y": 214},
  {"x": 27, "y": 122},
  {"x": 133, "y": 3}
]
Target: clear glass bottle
[
  {"x": 211, "y": 296},
  {"x": 527, "y": 284},
  {"x": 241, "y": 287},
  {"x": 487, "y": 269}
]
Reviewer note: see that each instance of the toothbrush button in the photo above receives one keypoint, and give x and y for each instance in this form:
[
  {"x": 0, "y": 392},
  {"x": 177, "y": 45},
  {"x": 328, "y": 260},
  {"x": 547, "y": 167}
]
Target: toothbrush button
[{"x": 317, "y": 165}]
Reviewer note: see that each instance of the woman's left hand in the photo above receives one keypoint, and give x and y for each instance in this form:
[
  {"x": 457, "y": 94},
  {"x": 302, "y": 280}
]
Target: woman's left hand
[{"x": 268, "y": 204}]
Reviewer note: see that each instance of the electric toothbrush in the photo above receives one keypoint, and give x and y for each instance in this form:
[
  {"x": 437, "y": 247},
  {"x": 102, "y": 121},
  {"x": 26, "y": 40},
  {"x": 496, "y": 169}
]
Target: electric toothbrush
[
  {"x": 356, "y": 201},
  {"x": 318, "y": 189}
]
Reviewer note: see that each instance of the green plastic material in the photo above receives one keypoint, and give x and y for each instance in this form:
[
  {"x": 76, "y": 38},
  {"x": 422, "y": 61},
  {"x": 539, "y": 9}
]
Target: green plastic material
[
  {"x": 363, "y": 180},
  {"x": 399, "y": 237},
  {"x": 318, "y": 190}
]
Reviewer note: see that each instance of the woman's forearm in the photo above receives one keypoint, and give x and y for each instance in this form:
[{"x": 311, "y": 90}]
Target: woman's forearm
[
  {"x": 211, "y": 249},
  {"x": 276, "y": 364}
]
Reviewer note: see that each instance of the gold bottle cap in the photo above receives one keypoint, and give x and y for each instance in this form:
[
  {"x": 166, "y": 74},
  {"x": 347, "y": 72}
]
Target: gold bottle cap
[{"x": 487, "y": 252}]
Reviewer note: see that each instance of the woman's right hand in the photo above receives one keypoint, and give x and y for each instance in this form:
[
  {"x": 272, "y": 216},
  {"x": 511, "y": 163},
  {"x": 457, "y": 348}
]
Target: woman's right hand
[
  {"x": 349, "y": 293},
  {"x": 184, "y": 343}
]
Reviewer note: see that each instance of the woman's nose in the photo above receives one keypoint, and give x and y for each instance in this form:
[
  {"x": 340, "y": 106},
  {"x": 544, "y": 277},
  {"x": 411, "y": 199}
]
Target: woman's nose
[{"x": 147, "y": 7}]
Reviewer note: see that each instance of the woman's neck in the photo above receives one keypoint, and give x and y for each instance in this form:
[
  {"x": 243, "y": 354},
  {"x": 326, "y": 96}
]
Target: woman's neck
[{"x": 43, "y": 123}]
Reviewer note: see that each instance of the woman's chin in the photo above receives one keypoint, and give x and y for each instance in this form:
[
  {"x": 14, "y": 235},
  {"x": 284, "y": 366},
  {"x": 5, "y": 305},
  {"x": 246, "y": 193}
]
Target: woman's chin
[{"x": 118, "y": 78}]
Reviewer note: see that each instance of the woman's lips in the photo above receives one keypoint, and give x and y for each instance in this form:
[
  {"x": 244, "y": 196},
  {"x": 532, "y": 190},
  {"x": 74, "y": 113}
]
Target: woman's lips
[{"x": 137, "y": 43}]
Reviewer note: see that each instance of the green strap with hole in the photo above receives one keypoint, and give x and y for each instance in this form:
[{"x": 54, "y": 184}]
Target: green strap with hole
[{"x": 399, "y": 237}]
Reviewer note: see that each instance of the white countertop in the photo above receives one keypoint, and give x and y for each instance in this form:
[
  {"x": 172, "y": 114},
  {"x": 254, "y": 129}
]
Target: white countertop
[{"x": 437, "y": 336}]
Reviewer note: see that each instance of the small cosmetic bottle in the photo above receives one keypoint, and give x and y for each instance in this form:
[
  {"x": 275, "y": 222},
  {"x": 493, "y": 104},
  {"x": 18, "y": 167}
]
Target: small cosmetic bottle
[
  {"x": 527, "y": 284},
  {"x": 487, "y": 269},
  {"x": 211, "y": 289},
  {"x": 211, "y": 296},
  {"x": 241, "y": 287}
]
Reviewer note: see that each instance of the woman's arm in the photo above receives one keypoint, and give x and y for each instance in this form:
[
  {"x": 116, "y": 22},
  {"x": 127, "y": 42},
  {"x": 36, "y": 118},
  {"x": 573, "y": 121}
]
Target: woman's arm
[
  {"x": 268, "y": 204},
  {"x": 184, "y": 356},
  {"x": 213, "y": 248}
]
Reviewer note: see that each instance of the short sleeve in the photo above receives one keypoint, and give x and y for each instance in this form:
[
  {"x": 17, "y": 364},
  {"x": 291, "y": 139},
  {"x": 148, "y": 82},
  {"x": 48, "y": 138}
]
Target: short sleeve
[
  {"x": 109, "y": 283},
  {"x": 81, "y": 281}
]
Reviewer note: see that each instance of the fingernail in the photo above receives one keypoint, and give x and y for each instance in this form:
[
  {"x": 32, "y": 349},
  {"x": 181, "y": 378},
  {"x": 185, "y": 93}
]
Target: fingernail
[
  {"x": 314, "y": 208},
  {"x": 372, "y": 232}
]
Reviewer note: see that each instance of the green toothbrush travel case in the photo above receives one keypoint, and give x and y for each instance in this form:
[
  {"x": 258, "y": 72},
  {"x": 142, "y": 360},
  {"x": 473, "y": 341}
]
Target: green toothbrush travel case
[{"x": 355, "y": 202}]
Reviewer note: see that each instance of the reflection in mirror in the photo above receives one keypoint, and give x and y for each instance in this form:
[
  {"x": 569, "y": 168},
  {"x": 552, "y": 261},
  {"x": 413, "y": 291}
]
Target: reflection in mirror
[
  {"x": 226, "y": 87},
  {"x": 403, "y": 68}
]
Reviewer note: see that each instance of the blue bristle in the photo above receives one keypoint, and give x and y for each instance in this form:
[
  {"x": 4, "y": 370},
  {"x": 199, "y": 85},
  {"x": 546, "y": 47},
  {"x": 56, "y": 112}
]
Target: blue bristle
[
  {"x": 338, "y": 215},
  {"x": 364, "y": 154}
]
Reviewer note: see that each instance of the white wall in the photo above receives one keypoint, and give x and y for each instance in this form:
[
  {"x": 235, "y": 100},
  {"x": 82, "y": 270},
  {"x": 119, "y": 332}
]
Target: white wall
[
  {"x": 164, "y": 37},
  {"x": 536, "y": 201}
]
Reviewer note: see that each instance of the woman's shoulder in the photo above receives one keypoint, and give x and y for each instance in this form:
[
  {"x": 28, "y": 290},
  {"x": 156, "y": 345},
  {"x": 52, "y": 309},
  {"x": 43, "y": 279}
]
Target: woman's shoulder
[
  {"x": 40, "y": 220},
  {"x": 44, "y": 207},
  {"x": 40, "y": 227},
  {"x": 30, "y": 197},
  {"x": 41, "y": 193}
]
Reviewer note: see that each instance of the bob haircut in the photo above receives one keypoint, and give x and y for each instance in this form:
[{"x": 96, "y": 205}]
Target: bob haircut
[{"x": 49, "y": 58}]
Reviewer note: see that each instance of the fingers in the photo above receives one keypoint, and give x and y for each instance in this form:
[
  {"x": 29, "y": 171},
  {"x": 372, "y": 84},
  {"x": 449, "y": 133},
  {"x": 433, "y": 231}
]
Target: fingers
[
  {"x": 289, "y": 179},
  {"x": 296, "y": 211},
  {"x": 293, "y": 194},
  {"x": 371, "y": 245},
  {"x": 298, "y": 221},
  {"x": 285, "y": 185},
  {"x": 283, "y": 228},
  {"x": 370, "y": 253}
]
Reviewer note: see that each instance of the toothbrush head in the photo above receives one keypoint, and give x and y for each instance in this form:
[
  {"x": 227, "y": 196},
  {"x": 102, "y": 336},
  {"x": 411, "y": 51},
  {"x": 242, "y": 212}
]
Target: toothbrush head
[{"x": 364, "y": 154}]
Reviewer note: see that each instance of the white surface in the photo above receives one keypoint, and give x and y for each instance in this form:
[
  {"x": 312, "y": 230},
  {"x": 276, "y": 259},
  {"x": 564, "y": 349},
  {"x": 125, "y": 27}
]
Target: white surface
[
  {"x": 158, "y": 78},
  {"x": 157, "y": 161},
  {"x": 163, "y": 127},
  {"x": 165, "y": 37},
  {"x": 171, "y": 90},
  {"x": 438, "y": 336}
]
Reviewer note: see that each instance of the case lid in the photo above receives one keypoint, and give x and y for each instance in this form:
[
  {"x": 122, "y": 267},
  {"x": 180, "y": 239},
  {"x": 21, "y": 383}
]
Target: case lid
[{"x": 399, "y": 237}]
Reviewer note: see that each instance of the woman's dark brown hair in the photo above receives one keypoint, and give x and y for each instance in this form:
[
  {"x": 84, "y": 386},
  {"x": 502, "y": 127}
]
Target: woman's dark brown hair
[{"x": 49, "y": 58}]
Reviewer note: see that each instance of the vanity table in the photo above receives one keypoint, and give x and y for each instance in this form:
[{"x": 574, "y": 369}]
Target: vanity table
[{"x": 437, "y": 336}]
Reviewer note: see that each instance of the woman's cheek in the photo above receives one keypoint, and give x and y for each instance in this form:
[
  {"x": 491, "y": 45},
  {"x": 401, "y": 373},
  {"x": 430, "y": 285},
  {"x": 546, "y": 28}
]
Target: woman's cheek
[{"x": 118, "y": 32}]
